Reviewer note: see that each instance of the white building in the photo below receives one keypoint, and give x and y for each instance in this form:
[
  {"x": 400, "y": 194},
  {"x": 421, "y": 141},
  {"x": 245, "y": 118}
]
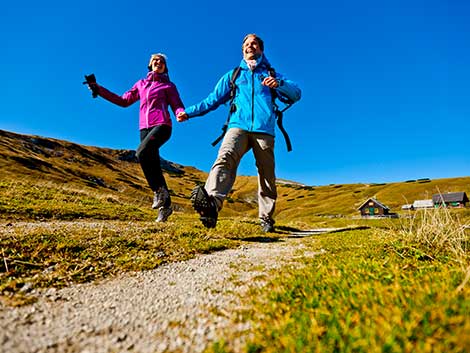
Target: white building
[{"x": 419, "y": 204}]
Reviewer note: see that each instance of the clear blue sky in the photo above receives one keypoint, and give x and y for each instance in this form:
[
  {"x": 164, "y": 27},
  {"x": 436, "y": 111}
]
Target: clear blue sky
[{"x": 385, "y": 83}]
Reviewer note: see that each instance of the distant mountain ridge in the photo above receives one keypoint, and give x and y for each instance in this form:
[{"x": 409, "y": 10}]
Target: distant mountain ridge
[{"x": 49, "y": 147}]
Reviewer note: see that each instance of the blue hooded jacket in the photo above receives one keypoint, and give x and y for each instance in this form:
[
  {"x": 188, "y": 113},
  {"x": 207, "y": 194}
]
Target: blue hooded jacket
[{"x": 254, "y": 107}]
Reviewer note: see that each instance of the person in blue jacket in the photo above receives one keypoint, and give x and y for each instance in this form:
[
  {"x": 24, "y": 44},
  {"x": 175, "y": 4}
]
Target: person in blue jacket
[{"x": 251, "y": 125}]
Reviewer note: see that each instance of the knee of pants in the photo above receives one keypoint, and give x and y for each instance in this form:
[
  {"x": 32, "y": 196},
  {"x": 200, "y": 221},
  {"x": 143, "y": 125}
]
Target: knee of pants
[
  {"x": 228, "y": 160},
  {"x": 148, "y": 154}
]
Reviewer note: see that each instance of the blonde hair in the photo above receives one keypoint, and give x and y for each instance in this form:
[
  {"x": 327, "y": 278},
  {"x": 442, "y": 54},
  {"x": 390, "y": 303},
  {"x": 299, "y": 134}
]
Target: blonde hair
[{"x": 158, "y": 55}]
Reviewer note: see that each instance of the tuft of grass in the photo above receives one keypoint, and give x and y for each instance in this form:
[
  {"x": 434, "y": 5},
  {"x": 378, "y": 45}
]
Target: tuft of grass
[{"x": 434, "y": 234}]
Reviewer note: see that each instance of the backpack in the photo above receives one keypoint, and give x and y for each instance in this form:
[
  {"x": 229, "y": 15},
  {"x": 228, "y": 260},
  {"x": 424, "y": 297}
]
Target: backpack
[{"x": 274, "y": 94}]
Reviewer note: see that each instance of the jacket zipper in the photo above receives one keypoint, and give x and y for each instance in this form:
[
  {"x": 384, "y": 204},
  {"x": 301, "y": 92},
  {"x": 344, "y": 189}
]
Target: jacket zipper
[
  {"x": 164, "y": 113},
  {"x": 252, "y": 99}
]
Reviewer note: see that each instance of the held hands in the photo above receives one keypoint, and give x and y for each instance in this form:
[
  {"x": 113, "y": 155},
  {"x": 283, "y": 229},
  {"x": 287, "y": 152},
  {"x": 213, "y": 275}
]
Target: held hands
[
  {"x": 182, "y": 116},
  {"x": 270, "y": 82}
]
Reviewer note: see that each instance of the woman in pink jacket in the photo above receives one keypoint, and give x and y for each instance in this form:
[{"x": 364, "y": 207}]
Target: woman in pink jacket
[{"x": 155, "y": 93}]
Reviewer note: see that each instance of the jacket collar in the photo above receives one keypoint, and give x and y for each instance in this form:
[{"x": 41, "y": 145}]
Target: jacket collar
[
  {"x": 154, "y": 76},
  {"x": 263, "y": 63}
]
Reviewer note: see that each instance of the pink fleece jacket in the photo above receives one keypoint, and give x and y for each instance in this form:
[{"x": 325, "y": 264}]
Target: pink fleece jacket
[{"x": 155, "y": 93}]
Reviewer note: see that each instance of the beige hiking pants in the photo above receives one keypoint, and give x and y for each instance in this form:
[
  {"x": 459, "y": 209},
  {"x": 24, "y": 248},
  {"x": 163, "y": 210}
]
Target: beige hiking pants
[{"x": 224, "y": 170}]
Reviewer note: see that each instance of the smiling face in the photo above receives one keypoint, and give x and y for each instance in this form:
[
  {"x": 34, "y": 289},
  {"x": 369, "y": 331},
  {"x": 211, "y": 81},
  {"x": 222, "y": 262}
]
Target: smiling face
[
  {"x": 251, "y": 48},
  {"x": 158, "y": 64}
]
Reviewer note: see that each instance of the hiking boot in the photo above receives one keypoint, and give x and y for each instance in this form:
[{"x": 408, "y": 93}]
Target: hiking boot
[
  {"x": 204, "y": 205},
  {"x": 160, "y": 196},
  {"x": 163, "y": 214},
  {"x": 267, "y": 226}
]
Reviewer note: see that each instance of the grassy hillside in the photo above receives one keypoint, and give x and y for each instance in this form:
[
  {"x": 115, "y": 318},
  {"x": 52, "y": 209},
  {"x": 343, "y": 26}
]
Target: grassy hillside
[
  {"x": 44, "y": 178},
  {"x": 307, "y": 203}
]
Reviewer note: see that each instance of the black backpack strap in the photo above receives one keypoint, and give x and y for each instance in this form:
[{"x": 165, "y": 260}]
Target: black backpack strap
[
  {"x": 280, "y": 113},
  {"x": 233, "y": 108}
]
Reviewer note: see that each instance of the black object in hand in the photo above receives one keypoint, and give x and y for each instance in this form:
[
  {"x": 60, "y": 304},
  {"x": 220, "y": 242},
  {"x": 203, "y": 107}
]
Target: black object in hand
[{"x": 91, "y": 79}]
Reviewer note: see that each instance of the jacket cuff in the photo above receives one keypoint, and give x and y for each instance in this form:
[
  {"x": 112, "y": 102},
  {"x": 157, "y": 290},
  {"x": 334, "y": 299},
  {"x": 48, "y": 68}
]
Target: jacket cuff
[{"x": 179, "y": 110}]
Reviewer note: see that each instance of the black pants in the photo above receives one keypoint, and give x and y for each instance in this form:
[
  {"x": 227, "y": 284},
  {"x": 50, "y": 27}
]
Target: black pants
[{"x": 150, "y": 156}]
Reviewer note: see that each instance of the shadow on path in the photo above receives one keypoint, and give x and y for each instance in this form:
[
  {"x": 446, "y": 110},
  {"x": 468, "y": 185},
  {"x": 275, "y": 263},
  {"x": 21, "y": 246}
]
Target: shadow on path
[
  {"x": 261, "y": 239},
  {"x": 317, "y": 231}
]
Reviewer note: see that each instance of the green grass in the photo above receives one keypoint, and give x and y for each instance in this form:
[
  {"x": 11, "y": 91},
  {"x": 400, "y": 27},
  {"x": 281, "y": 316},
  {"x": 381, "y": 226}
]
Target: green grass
[
  {"x": 36, "y": 201},
  {"x": 366, "y": 293}
]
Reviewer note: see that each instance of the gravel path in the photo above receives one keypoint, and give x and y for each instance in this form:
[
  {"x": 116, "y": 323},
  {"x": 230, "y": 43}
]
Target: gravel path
[{"x": 179, "y": 307}]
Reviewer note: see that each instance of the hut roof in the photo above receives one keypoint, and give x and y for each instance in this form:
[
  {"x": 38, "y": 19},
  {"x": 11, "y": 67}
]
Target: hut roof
[
  {"x": 450, "y": 197},
  {"x": 375, "y": 201}
]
